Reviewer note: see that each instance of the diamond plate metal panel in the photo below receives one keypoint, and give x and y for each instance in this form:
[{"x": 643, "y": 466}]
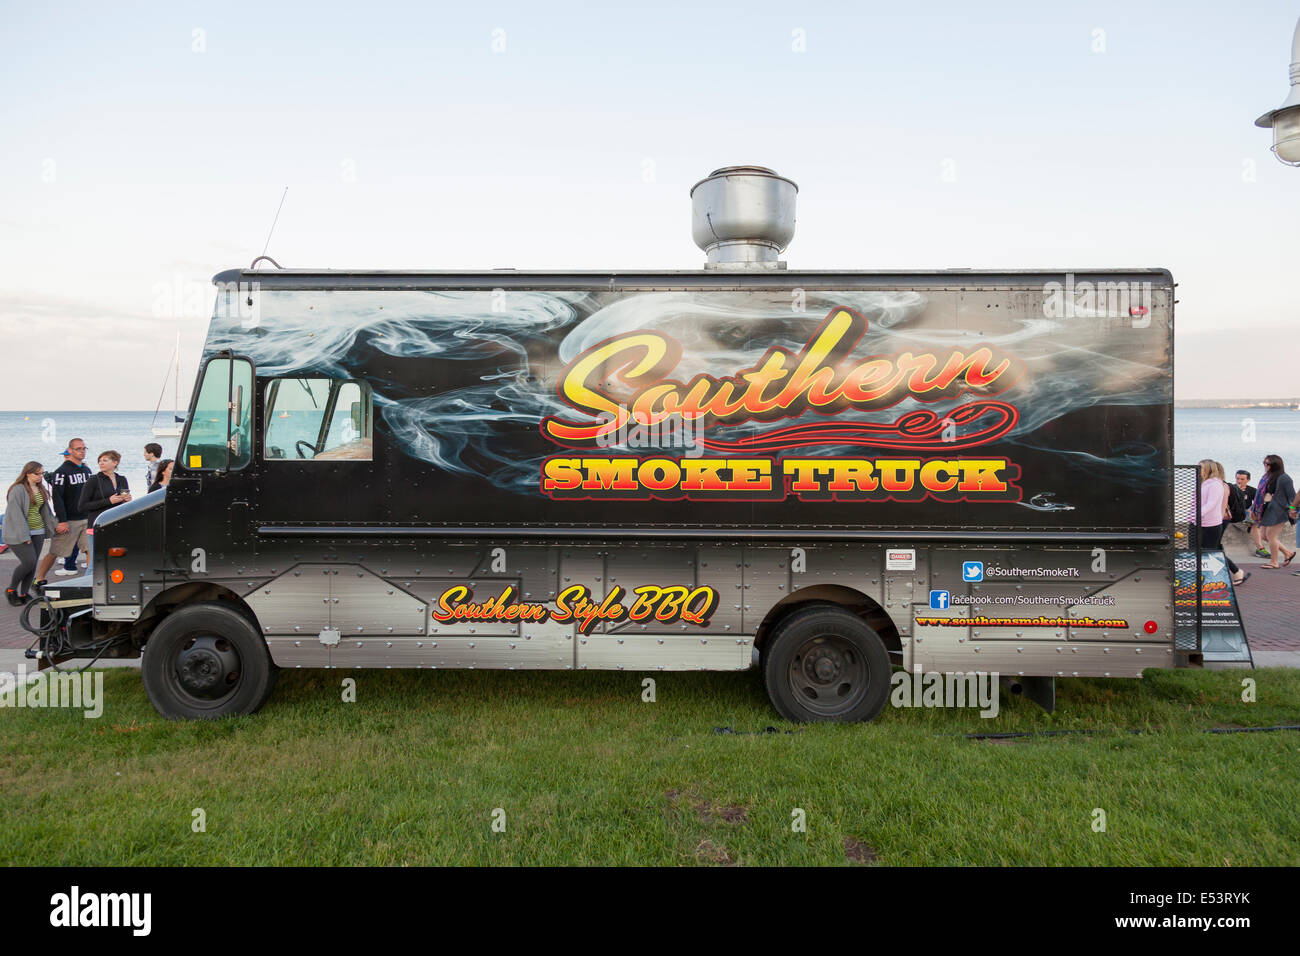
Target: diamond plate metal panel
[
  {"x": 431, "y": 589},
  {"x": 543, "y": 646},
  {"x": 585, "y": 566},
  {"x": 952, "y": 649},
  {"x": 296, "y": 602},
  {"x": 305, "y": 651},
  {"x": 658, "y": 566},
  {"x": 766, "y": 583},
  {"x": 722, "y": 568},
  {"x": 363, "y": 603},
  {"x": 666, "y": 652}
]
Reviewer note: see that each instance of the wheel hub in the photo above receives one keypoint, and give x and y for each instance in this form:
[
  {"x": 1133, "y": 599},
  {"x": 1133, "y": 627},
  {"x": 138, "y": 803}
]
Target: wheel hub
[
  {"x": 828, "y": 674},
  {"x": 207, "y": 667},
  {"x": 823, "y": 665}
]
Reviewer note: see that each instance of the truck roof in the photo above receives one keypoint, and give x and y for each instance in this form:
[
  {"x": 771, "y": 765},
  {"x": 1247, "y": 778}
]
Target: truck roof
[{"x": 681, "y": 279}]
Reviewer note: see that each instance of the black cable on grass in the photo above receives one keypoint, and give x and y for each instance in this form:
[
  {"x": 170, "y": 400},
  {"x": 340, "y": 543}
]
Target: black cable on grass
[
  {"x": 1058, "y": 733},
  {"x": 751, "y": 733},
  {"x": 1250, "y": 730}
]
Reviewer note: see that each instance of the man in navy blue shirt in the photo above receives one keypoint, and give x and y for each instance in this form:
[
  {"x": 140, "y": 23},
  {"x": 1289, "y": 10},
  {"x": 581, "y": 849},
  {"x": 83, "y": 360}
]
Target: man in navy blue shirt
[{"x": 70, "y": 532}]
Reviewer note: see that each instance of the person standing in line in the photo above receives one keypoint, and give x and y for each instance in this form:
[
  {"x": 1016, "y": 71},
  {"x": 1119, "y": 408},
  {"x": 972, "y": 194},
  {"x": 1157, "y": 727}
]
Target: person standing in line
[
  {"x": 1278, "y": 493},
  {"x": 28, "y": 518},
  {"x": 1251, "y": 526},
  {"x": 1256, "y": 511},
  {"x": 70, "y": 562},
  {"x": 70, "y": 532},
  {"x": 164, "y": 474},
  {"x": 1212, "y": 512},
  {"x": 152, "y": 453},
  {"x": 1217, "y": 470},
  {"x": 104, "y": 490}
]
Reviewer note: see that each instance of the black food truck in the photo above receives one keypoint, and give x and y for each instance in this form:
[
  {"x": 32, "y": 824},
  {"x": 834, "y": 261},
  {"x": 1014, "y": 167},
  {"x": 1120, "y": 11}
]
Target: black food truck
[{"x": 824, "y": 475}]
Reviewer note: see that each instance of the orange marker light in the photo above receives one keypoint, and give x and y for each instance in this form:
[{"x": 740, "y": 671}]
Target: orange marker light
[
  {"x": 116, "y": 552},
  {"x": 116, "y": 577}
]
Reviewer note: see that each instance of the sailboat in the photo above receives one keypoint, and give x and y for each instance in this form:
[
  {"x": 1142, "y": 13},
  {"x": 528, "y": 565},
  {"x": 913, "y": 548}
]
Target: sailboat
[{"x": 174, "y": 372}]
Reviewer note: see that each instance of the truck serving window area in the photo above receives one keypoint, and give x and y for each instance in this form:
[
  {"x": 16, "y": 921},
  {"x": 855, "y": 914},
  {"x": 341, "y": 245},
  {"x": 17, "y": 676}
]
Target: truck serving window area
[
  {"x": 219, "y": 434},
  {"x": 318, "y": 419}
]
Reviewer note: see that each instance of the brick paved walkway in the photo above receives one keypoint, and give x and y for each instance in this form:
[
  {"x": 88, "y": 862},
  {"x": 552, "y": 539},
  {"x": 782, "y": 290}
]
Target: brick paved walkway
[
  {"x": 12, "y": 634},
  {"x": 1269, "y": 601}
]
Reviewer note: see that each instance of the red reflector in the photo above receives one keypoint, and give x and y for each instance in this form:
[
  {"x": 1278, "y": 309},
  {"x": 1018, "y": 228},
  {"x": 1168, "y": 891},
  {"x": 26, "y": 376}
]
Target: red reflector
[
  {"x": 116, "y": 552},
  {"x": 1151, "y": 627},
  {"x": 1137, "y": 310}
]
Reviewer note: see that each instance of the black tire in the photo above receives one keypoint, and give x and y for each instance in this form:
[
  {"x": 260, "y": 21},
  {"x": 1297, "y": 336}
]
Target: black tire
[
  {"x": 206, "y": 661},
  {"x": 824, "y": 664}
]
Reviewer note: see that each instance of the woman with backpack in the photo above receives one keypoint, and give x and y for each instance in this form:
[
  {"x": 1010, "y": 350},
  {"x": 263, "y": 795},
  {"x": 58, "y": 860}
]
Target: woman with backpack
[
  {"x": 1214, "y": 511},
  {"x": 1277, "y": 494}
]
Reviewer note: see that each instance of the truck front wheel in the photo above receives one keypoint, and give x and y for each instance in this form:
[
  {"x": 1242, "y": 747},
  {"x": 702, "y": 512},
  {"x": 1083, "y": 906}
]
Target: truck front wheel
[
  {"x": 206, "y": 661},
  {"x": 825, "y": 664}
]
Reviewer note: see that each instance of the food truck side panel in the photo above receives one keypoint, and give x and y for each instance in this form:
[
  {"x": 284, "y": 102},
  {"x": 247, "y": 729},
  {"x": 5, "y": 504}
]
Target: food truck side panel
[
  {"x": 1007, "y": 421},
  {"x": 972, "y": 408}
]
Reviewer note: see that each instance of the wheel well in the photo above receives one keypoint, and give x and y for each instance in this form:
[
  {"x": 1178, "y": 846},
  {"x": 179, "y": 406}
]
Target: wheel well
[
  {"x": 183, "y": 595},
  {"x": 855, "y": 602}
]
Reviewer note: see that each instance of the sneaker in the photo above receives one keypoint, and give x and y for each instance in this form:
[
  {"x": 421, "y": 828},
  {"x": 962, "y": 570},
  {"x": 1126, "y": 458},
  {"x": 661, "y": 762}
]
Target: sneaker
[
  {"x": 1263, "y": 553},
  {"x": 12, "y": 596},
  {"x": 63, "y": 572}
]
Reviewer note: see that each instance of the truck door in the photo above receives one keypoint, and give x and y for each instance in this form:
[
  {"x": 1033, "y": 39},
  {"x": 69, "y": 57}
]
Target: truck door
[
  {"x": 210, "y": 499},
  {"x": 317, "y": 451}
]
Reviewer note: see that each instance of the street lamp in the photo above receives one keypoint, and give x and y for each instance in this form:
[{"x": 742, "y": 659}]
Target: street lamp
[{"x": 1285, "y": 120}]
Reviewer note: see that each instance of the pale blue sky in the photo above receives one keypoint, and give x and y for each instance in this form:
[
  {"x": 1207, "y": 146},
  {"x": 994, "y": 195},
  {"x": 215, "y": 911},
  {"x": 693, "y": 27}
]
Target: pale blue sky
[{"x": 139, "y": 157}]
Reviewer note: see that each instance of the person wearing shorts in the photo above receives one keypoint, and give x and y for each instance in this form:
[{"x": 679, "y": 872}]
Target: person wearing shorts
[{"x": 70, "y": 532}]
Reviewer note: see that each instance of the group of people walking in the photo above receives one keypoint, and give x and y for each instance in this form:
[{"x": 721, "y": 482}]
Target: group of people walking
[
  {"x": 54, "y": 510},
  {"x": 1265, "y": 511}
]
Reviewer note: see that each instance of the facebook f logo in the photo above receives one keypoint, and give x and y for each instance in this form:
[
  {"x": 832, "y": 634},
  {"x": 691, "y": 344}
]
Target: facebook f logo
[
  {"x": 939, "y": 600},
  {"x": 972, "y": 571}
]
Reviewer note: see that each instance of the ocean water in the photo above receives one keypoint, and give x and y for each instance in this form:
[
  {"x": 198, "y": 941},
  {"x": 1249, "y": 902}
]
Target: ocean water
[
  {"x": 1238, "y": 437},
  {"x": 43, "y": 436}
]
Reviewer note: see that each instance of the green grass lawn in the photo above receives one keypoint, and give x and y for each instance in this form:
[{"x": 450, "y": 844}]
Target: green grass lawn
[{"x": 589, "y": 774}]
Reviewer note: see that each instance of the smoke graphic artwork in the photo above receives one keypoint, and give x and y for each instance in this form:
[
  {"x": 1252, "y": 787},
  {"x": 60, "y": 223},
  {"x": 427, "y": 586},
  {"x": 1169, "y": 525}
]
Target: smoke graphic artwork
[{"x": 465, "y": 380}]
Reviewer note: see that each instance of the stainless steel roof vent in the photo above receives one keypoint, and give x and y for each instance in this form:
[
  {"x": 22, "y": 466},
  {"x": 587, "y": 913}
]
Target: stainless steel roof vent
[{"x": 743, "y": 217}]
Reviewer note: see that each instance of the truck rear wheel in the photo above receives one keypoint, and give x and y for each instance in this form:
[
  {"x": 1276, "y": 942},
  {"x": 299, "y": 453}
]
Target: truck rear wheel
[
  {"x": 825, "y": 664},
  {"x": 206, "y": 661}
]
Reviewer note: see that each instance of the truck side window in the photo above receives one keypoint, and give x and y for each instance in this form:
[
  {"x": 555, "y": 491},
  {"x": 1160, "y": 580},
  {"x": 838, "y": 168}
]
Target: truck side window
[
  {"x": 220, "y": 428},
  {"x": 318, "y": 419}
]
